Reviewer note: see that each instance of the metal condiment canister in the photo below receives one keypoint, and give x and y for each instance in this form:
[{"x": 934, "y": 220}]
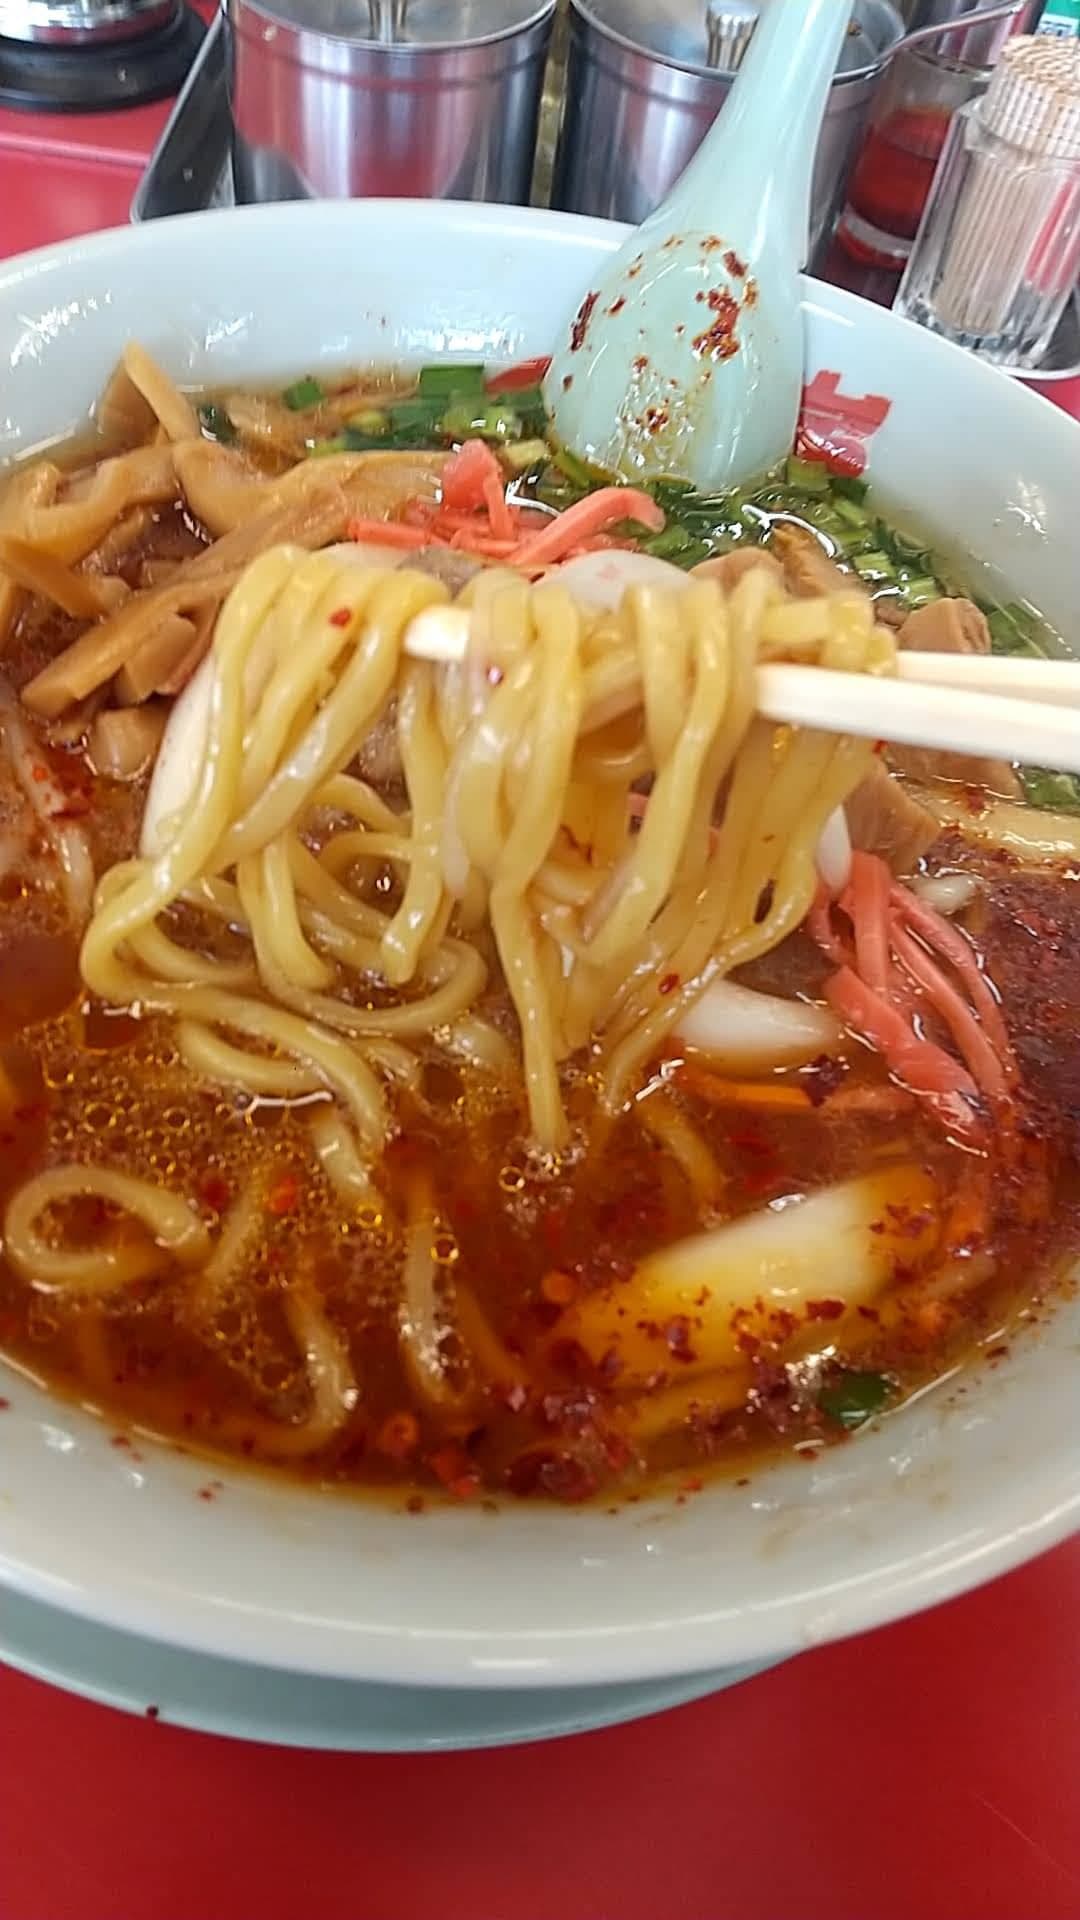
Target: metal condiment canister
[
  {"x": 329, "y": 100},
  {"x": 641, "y": 95}
]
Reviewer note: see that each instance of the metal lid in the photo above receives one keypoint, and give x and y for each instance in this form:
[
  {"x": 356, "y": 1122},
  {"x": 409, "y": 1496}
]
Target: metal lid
[
  {"x": 678, "y": 30},
  {"x": 1033, "y": 99},
  {"x": 969, "y": 33},
  {"x": 410, "y": 24}
]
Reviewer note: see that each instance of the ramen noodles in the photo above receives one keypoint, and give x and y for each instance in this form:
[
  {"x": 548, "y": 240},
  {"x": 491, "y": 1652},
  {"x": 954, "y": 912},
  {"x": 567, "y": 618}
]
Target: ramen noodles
[{"x": 448, "y": 1039}]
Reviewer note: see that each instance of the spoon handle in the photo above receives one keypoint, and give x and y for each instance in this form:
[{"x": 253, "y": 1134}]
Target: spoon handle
[
  {"x": 387, "y": 20},
  {"x": 759, "y": 153}
]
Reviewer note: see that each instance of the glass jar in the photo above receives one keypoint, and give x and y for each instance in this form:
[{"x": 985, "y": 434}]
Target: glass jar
[
  {"x": 891, "y": 181},
  {"x": 998, "y": 249}
]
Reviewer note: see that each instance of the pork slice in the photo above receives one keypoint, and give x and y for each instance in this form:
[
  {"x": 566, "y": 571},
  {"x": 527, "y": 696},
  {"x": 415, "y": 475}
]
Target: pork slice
[
  {"x": 728, "y": 568},
  {"x": 946, "y": 626},
  {"x": 951, "y": 626},
  {"x": 883, "y": 818},
  {"x": 808, "y": 569},
  {"x": 890, "y": 612},
  {"x": 453, "y": 569},
  {"x": 379, "y": 758}
]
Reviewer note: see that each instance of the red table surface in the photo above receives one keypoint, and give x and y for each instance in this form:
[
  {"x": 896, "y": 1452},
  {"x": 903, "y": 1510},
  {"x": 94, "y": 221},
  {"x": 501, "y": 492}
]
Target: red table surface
[{"x": 927, "y": 1770}]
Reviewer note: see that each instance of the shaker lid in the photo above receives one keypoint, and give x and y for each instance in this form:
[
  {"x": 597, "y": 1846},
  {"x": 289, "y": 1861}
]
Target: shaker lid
[
  {"x": 678, "y": 30},
  {"x": 1033, "y": 99},
  {"x": 415, "y": 23}
]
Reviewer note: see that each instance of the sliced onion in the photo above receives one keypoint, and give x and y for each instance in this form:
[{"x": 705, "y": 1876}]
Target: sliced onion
[
  {"x": 439, "y": 634},
  {"x": 123, "y": 740},
  {"x": 601, "y": 579},
  {"x": 947, "y": 893},
  {"x": 750, "y": 1032},
  {"x": 845, "y": 1241},
  {"x": 180, "y": 756},
  {"x": 50, "y": 803},
  {"x": 833, "y": 854},
  {"x": 179, "y": 761},
  {"x": 366, "y": 554},
  {"x": 77, "y": 867}
]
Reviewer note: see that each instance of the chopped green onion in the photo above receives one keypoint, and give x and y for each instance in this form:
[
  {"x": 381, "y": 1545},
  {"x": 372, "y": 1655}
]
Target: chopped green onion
[
  {"x": 920, "y": 591},
  {"x": 672, "y": 493},
  {"x": 822, "y": 515},
  {"x": 372, "y": 421},
  {"x": 874, "y": 566},
  {"x": 902, "y": 543},
  {"x": 529, "y": 403},
  {"x": 558, "y": 497},
  {"x": 522, "y": 455},
  {"x": 413, "y": 423},
  {"x": 578, "y": 472},
  {"x": 629, "y": 530},
  {"x": 555, "y": 490},
  {"x": 666, "y": 545},
  {"x": 466, "y": 420},
  {"x": 303, "y": 394},
  {"x": 413, "y": 413},
  {"x": 854, "y": 1398},
  {"x": 850, "y": 511},
  {"x": 1057, "y": 792},
  {"x": 846, "y": 487},
  {"x": 853, "y": 540},
  {"x": 810, "y": 476},
  {"x": 693, "y": 555},
  {"x": 353, "y": 440},
  {"x": 1028, "y": 621},
  {"x": 1014, "y": 629},
  {"x": 699, "y": 521},
  {"x": 340, "y": 444},
  {"x": 462, "y": 421},
  {"x": 724, "y": 505},
  {"x": 447, "y": 382},
  {"x": 1005, "y": 635},
  {"x": 216, "y": 423}
]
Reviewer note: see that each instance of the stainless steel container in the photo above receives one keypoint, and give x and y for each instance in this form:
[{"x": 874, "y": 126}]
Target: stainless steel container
[
  {"x": 321, "y": 108},
  {"x": 979, "y": 44},
  {"x": 640, "y": 98}
]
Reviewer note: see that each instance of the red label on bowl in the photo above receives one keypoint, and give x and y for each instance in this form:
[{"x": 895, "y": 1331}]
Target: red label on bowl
[{"x": 835, "y": 426}]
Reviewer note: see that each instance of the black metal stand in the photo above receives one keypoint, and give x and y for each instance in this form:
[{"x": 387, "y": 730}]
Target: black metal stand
[{"x": 98, "y": 79}]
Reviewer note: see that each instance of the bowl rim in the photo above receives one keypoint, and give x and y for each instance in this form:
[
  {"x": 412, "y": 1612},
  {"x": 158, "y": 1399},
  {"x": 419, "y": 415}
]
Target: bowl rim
[
  {"x": 514, "y": 223},
  {"x": 1028, "y": 1515},
  {"x": 1039, "y": 1514}
]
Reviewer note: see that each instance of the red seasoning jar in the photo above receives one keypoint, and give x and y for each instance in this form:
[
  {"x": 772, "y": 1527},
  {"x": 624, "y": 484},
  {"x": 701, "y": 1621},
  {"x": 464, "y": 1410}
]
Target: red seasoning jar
[
  {"x": 945, "y": 64},
  {"x": 891, "y": 181}
]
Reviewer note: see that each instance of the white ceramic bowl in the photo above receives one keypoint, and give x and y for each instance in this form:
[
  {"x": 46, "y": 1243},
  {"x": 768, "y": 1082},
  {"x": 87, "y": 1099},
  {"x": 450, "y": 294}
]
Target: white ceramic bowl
[{"x": 941, "y": 1495}]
